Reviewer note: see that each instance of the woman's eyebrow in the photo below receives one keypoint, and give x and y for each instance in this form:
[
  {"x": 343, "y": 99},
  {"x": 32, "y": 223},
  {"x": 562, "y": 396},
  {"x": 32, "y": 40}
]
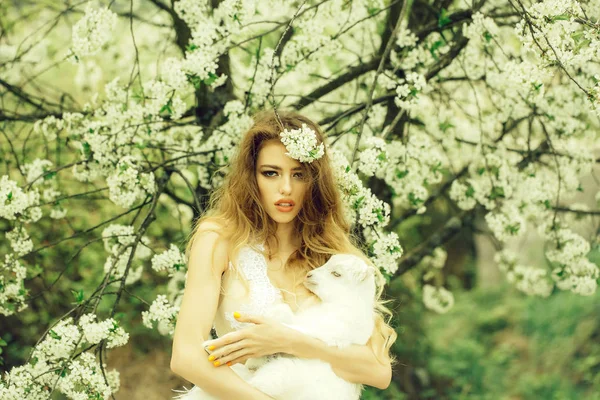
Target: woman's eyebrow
[{"x": 279, "y": 168}]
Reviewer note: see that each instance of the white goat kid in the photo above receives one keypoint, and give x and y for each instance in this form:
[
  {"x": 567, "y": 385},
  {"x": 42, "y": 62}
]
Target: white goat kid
[{"x": 346, "y": 288}]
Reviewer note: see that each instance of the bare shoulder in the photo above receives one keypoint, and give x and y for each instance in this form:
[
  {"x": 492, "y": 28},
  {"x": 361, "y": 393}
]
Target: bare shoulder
[{"x": 210, "y": 243}]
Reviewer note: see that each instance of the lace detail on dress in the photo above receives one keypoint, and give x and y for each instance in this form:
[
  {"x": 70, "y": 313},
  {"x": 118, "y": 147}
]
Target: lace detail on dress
[{"x": 262, "y": 293}]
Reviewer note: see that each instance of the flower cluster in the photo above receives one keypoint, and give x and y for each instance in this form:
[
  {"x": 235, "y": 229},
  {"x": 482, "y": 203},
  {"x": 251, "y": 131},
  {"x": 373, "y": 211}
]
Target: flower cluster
[
  {"x": 171, "y": 261},
  {"x": 109, "y": 330},
  {"x": 372, "y": 214},
  {"x": 128, "y": 184},
  {"x": 162, "y": 312},
  {"x": 434, "y": 262},
  {"x": 408, "y": 89},
  {"x": 572, "y": 270},
  {"x": 386, "y": 250},
  {"x": 529, "y": 280},
  {"x": 506, "y": 222},
  {"x": 481, "y": 28},
  {"x": 301, "y": 144},
  {"x": 437, "y": 299},
  {"x": 372, "y": 158},
  {"x": 15, "y": 203},
  {"x": 92, "y": 31},
  {"x": 118, "y": 241},
  {"x": 78, "y": 377},
  {"x": 19, "y": 240},
  {"x": 13, "y": 293}
]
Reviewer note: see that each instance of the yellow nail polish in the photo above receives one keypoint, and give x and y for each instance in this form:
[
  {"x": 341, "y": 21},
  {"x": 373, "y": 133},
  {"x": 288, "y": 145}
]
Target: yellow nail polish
[
  {"x": 237, "y": 314},
  {"x": 211, "y": 347},
  {"x": 216, "y": 363},
  {"x": 211, "y": 358}
]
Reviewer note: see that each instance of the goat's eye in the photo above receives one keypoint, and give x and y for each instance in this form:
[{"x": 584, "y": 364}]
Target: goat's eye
[{"x": 335, "y": 274}]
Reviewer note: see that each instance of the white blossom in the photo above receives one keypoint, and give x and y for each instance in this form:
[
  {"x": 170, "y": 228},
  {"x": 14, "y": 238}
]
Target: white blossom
[
  {"x": 301, "y": 144},
  {"x": 437, "y": 299},
  {"x": 530, "y": 280},
  {"x": 162, "y": 312},
  {"x": 172, "y": 260},
  {"x": 128, "y": 184},
  {"x": 19, "y": 240},
  {"x": 12, "y": 276},
  {"x": 92, "y": 31},
  {"x": 13, "y": 199}
]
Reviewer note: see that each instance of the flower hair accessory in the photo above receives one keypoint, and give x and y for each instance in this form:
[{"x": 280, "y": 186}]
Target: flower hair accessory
[{"x": 301, "y": 144}]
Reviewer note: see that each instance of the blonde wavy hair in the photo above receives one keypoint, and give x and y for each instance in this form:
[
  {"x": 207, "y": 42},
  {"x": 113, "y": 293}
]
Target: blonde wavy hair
[{"x": 235, "y": 207}]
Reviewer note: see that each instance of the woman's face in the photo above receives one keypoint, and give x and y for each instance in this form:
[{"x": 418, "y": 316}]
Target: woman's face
[{"x": 280, "y": 180}]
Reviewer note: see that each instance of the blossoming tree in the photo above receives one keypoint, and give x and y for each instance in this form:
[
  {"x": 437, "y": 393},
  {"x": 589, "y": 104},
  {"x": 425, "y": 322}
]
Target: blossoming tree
[{"x": 493, "y": 104}]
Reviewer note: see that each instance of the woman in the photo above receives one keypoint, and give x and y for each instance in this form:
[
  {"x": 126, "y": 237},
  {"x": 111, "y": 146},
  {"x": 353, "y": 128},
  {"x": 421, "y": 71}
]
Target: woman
[{"x": 275, "y": 218}]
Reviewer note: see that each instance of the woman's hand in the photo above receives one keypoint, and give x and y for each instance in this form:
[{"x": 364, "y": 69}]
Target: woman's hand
[{"x": 267, "y": 337}]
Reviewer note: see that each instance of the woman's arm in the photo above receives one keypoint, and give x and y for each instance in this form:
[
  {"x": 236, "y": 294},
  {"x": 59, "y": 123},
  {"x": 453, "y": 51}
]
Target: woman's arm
[
  {"x": 195, "y": 318},
  {"x": 355, "y": 363}
]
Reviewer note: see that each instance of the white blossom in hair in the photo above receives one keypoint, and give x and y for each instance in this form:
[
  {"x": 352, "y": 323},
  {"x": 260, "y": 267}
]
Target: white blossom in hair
[{"x": 301, "y": 144}]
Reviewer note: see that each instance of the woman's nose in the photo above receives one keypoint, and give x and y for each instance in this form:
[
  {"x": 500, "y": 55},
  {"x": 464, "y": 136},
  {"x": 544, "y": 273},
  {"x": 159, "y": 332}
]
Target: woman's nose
[
  {"x": 309, "y": 275},
  {"x": 286, "y": 186}
]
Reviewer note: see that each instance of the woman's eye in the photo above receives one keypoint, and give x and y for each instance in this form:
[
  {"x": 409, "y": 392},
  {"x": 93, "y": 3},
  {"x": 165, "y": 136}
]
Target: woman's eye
[
  {"x": 268, "y": 174},
  {"x": 335, "y": 274}
]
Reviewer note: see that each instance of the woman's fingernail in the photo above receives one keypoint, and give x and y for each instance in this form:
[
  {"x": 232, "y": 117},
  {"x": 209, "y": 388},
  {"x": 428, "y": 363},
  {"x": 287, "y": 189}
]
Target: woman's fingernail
[
  {"x": 236, "y": 314},
  {"x": 211, "y": 358},
  {"x": 229, "y": 363},
  {"x": 216, "y": 363},
  {"x": 211, "y": 347}
]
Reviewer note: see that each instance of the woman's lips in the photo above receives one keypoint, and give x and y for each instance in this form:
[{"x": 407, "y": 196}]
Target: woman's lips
[{"x": 284, "y": 208}]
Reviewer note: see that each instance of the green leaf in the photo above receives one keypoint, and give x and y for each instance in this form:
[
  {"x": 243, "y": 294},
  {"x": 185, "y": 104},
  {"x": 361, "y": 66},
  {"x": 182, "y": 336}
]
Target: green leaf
[
  {"x": 401, "y": 174},
  {"x": 178, "y": 266},
  {"x": 358, "y": 202},
  {"x": 78, "y": 295},
  {"x": 562, "y": 17},
  {"x": 434, "y": 46},
  {"x": 414, "y": 200},
  {"x": 443, "y": 19},
  {"x": 87, "y": 150},
  {"x": 487, "y": 36},
  {"x": 167, "y": 107},
  {"x": 497, "y": 191},
  {"x": 372, "y": 10},
  {"x": 470, "y": 192},
  {"x": 211, "y": 78},
  {"x": 513, "y": 229},
  {"x": 50, "y": 175},
  {"x": 54, "y": 335},
  {"x": 444, "y": 126}
]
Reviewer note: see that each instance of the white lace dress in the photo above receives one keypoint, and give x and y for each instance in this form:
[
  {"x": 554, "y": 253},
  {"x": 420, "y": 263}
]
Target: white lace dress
[
  {"x": 262, "y": 296},
  {"x": 252, "y": 264}
]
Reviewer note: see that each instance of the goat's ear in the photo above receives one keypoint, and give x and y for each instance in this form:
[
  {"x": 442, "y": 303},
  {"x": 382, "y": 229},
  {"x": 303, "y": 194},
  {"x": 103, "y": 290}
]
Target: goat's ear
[{"x": 363, "y": 271}]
